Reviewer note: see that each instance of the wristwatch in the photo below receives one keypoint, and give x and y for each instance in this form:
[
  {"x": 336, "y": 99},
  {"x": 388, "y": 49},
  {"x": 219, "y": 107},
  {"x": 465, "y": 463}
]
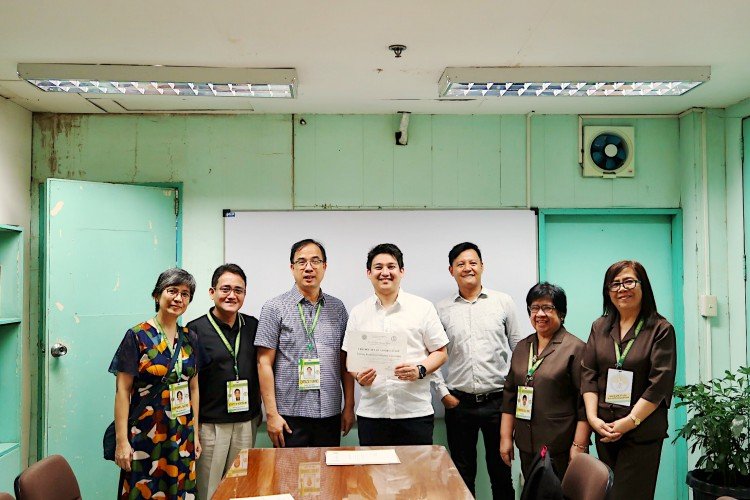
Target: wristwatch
[
  {"x": 636, "y": 420},
  {"x": 422, "y": 371}
]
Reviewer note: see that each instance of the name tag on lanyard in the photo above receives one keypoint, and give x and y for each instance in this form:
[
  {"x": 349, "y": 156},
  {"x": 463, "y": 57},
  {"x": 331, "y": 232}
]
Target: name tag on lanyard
[
  {"x": 309, "y": 374},
  {"x": 238, "y": 397},
  {"x": 525, "y": 394},
  {"x": 619, "y": 381},
  {"x": 308, "y": 369},
  {"x": 179, "y": 395}
]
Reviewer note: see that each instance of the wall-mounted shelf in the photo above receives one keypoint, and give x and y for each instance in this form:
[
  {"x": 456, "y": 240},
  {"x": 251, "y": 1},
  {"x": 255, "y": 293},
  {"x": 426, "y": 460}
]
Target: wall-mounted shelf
[{"x": 11, "y": 319}]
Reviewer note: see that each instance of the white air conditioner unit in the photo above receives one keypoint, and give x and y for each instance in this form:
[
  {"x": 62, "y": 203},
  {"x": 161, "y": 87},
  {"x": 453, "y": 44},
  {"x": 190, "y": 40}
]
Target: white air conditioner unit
[{"x": 608, "y": 151}]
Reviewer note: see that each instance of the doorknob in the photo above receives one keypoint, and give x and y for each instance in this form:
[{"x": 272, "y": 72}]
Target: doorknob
[{"x": 58, "y": 350}]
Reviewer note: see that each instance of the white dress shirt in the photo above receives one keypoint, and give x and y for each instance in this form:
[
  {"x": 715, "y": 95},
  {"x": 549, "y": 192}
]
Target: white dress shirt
[
  {"x": 417, "y": 319},
  {"x": 482, "y": 334}
]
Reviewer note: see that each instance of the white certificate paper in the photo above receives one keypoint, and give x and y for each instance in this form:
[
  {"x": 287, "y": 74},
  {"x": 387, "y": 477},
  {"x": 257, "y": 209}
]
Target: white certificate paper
[
  {"x": 362, "y": 457},
  {"x": 379, "y": 350}
]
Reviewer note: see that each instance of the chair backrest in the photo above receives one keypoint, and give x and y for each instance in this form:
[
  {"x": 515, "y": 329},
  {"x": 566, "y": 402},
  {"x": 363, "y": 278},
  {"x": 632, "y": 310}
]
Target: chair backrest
[
  {"x": 6, "y": 496},
  {"x": 49, "y": 479},
  {"x": 587, "y": 478}
]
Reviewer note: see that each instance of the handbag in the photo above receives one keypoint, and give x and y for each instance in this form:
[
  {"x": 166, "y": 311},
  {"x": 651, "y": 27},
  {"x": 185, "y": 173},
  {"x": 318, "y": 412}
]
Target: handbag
[
  {"x": 542, "y": 483},
  {"x": 109, "y": 441}
]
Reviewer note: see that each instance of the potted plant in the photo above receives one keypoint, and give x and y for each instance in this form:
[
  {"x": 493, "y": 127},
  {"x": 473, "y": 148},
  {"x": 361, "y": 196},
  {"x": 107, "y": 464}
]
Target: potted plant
[{"x": 719, "y": 418}]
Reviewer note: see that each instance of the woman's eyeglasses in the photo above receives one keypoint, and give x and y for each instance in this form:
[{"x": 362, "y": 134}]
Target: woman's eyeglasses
[{"x": 627, "y": 284}]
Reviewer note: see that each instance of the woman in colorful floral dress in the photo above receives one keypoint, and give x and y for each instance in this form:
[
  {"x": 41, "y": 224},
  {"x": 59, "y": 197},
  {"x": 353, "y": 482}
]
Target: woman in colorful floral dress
[{"x": 157, "y": 449}]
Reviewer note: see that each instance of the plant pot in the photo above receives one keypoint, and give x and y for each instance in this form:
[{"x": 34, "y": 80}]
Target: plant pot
[{"x": 703, "y": 490}]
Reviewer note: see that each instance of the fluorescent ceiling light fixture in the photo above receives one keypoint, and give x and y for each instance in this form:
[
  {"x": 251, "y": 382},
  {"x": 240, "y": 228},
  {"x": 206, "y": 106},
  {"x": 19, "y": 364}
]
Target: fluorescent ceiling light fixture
[
  {"x": 161, "y": 80},
  {"x": 572, "y": 81}
]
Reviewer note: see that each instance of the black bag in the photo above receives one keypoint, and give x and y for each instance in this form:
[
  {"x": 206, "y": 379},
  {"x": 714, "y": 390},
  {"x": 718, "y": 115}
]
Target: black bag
[
  {"x": 109, "y": 441},
  {"x": 542, "y": 483}
]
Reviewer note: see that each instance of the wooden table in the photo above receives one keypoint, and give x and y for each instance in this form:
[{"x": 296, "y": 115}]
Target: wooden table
[{"x": 425, "y": 472}]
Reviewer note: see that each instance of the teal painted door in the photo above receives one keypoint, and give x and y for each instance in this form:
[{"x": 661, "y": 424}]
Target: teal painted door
[
  {"x": 105, "y": 245},
  {"x": 576, "y": 250}
]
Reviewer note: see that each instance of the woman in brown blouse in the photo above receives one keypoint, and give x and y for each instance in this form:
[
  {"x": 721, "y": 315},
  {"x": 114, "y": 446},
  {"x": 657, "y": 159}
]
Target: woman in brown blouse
[
  {"x": 627, "y": 377},
  {"x": 542, "y": 404}
]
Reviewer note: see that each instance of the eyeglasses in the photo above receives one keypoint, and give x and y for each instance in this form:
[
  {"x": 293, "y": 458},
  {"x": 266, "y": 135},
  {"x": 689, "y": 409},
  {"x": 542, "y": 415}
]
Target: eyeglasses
[
  {"x": 173, "y": 292},
  {"x": 302, "y": 263},
  {"x": 547, "y": 309},
  {"x": 226, "y": 290},
  {"x": 627, "y": 284}
]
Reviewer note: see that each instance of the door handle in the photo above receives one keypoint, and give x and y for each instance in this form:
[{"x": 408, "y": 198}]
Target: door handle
[{"x": 58, "y": 350}]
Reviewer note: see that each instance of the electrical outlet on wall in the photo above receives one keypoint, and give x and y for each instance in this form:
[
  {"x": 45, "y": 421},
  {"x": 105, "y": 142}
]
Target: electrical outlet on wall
[{"x": 708, "y": 306}]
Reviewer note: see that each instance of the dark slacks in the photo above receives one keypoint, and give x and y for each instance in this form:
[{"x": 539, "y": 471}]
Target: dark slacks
[
  {"x": 463, "y": 424},
  {"x": 395, "y": 431},
  {"x": 313, "y": 431},
  {"x": 635, "y": 466}
]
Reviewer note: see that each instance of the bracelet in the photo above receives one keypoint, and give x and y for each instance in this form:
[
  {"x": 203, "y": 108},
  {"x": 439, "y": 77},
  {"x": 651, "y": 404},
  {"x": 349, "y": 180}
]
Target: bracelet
[{"x": 580, "y": 446}]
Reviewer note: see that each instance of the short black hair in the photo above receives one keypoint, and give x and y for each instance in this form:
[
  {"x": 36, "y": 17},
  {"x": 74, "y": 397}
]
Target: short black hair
[
  {"x": 461, "y": 248},
  {"x": 302, "y": 243},
  {"x": 386, "y": 248},
  {"x": 227, "y": 268},
  {"x": 555, "y": 293}
]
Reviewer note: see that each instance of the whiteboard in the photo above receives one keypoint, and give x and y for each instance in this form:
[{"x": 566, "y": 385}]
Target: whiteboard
[{"x": 260, "y": 241}]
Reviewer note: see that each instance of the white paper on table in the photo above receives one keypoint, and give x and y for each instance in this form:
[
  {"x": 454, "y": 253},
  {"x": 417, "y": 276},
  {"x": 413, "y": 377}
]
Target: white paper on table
[
  {"x": 379, "y": 350},
  {"x": 285, "y": 496},
  {"x": 362, "y": 457}
]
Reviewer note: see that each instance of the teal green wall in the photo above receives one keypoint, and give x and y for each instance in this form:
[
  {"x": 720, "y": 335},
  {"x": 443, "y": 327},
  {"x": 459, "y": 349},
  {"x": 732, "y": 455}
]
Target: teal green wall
[
  {"x": 273, "y": 162},
  {"x": 738, "y": 216},
  {"x": 15, "y": 209}
]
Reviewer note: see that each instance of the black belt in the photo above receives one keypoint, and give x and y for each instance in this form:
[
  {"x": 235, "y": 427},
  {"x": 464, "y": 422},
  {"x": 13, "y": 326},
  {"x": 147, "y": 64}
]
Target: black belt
[{"x": 476, "y": 398}]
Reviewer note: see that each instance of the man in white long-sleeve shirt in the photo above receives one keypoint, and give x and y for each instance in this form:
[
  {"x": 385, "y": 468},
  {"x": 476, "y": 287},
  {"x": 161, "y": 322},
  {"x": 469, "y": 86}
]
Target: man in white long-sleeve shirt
[{"x": 483, "y": 331}]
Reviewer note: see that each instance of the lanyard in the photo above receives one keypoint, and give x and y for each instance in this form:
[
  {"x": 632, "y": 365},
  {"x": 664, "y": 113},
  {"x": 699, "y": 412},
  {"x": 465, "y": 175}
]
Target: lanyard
[
  {"x": 620, "y": 358},
  {"x": 232, "y": 351},
  {"x": 311, "y": 330},
  {"x": 533, "y": 364},
  {"x": 178, "y": 363}
]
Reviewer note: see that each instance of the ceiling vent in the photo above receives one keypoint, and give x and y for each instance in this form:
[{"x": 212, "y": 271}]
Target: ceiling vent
[{"x": 608, "y": 151}]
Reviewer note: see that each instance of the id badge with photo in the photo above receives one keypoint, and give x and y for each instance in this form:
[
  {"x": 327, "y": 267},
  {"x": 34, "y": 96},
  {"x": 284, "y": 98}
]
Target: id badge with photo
[
  {"x": 309, "y": 374},
  {"x": 524, "y": 402},
  {"x": 239, "y": 466},
  {"x": 619, "y": 387},
  {"x": 238, "y": 398},
  {"x": 308, "y": 479},
  {"x": 179, "y": 398}
]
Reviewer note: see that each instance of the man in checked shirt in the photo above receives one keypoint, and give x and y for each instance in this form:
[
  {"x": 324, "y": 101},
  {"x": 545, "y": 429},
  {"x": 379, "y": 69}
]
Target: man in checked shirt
[
  {"x": 301, "y": 367},
  {"x": 483, "y": 331}
]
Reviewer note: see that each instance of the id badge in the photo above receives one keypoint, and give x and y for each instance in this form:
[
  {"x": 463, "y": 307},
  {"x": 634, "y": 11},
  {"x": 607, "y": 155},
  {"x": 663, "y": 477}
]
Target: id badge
[
  {"x": 524, "y": 402},
  {"x": 619, "y": 387},
  {"x": 239, "y": 466},
  {"x": 238, "y": 398},
  {"x": 308, "y": 479},
  {"x": 309, "y": 374},
  {"x": 179, "y": 398}
]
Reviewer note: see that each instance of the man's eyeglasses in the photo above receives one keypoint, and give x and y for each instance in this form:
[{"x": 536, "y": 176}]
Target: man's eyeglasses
[
  {"x": 302, "y": 263},
  {"x": 547, "y": 309},
  {"x": 627, "y": 284},
  {"x": 226, "y": 290}
]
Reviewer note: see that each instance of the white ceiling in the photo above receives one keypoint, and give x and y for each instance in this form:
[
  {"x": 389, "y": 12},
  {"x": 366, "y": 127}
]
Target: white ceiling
[{"x": 339, "y": 48}]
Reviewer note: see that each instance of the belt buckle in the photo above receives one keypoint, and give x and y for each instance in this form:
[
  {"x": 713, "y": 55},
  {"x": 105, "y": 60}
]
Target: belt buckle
[{"x": 480, "y": 398}]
